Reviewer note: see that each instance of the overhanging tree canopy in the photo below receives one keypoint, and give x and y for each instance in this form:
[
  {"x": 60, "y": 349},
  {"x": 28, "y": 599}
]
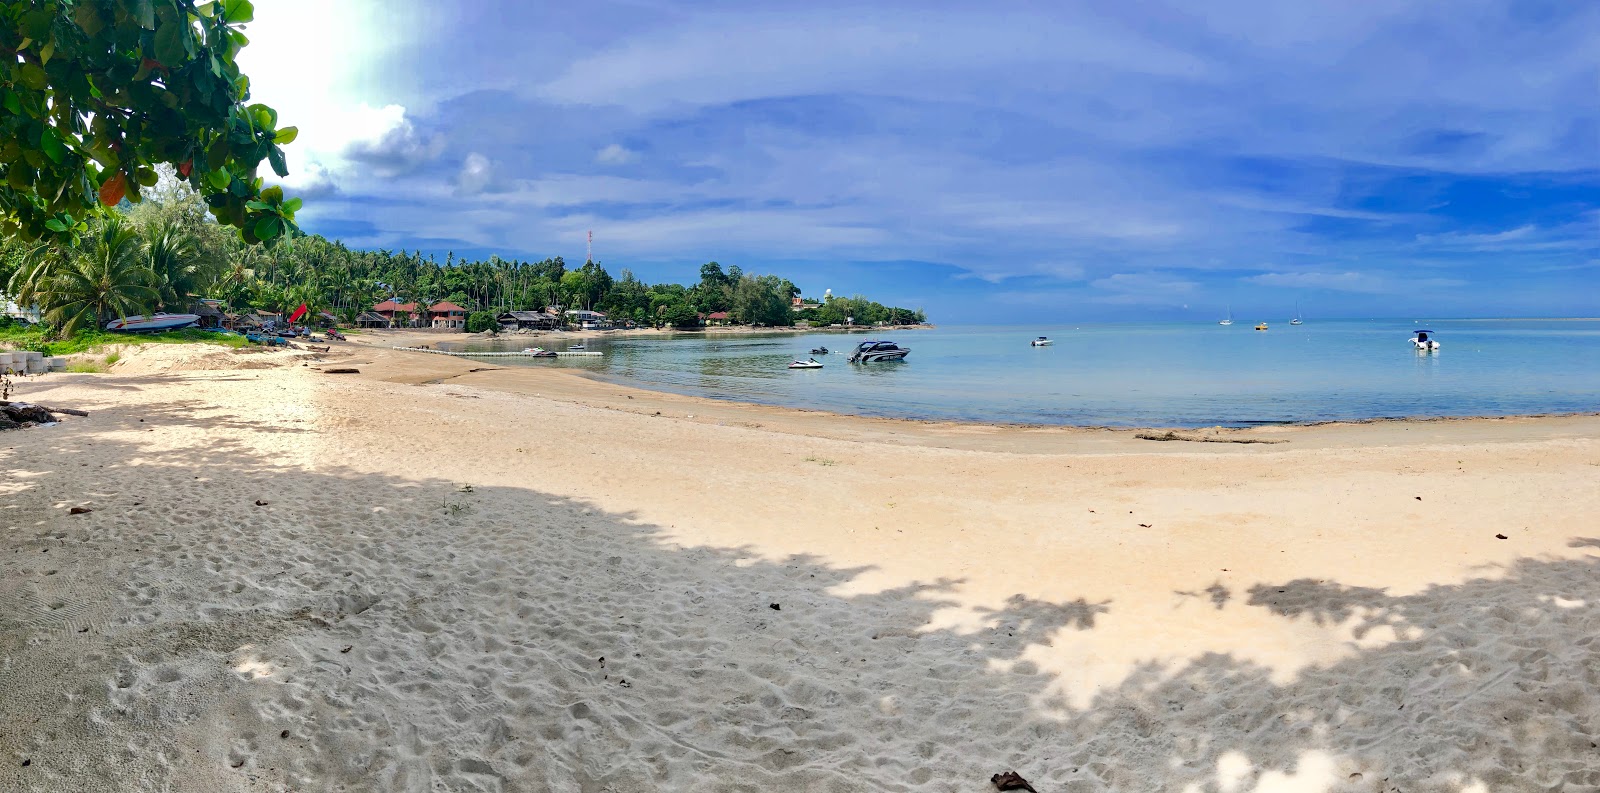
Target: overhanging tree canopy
[{"x": 95, "y": 93}]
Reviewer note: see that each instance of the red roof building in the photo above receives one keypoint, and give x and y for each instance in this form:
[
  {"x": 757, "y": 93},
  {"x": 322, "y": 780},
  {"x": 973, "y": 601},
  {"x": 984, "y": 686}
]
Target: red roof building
[{"x": 446, "y": 314}]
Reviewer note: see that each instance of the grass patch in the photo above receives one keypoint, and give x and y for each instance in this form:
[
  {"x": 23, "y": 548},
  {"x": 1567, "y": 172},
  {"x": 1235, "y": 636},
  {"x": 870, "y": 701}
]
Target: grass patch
[
  {"x": 113, "y": 358},
  {"x": 86, "y": 367},
  {"x": 822, "y": 461},
  {"x": 37, "y": 339}
]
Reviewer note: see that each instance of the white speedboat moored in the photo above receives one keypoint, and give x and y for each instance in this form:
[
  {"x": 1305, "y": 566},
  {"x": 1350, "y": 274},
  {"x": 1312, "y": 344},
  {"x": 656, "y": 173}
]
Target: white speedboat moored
[
  {"x": 806, "y": 364},
  {"x": 1042, "y": 341},
  {"x": 875, "y": 351},
  {"x": 152, "y": 324},
  {"x": 1423, "y": 342}
]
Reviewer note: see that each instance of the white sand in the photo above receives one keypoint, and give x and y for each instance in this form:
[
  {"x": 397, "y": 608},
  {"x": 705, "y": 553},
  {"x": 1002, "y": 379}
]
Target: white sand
[{"x": 955, "y": 601}]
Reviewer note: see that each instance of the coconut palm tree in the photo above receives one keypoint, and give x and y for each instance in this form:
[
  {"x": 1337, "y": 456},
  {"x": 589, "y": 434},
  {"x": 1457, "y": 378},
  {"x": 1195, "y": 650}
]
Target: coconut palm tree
[
  {"x": 106, "y": 275},
  {"x": 179, "y": 262}
]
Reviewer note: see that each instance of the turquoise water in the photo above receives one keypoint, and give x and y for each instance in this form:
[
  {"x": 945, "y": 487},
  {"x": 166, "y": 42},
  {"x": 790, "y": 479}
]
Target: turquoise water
[{"x": 1132, "y": 375}]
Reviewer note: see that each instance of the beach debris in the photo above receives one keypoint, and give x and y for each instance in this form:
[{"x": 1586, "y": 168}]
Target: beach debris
[
  {"x": 261, "y": 502},
  {"x": 341, "y": 370},
  {"x": 1011, "y": 780},
  {"x": 775, "y": 607},
  {"x": 602, "y": 661},
  {"x": 464, "y": 489},
  {"x": 1173, "y": 436},
  {"x": 283, "y": 734},
  {"x": 6, "y": 407},
  {"x": 79, "y": 511},
  {"x": 26, "y": 763},
  {"x": 1501, "y": 537},
  {"x": 625, "y": 684},
  {"x": 1145, "y": 525},
  {"x": 347, "y": 648},
  {"x": 1419, "y": 498}
]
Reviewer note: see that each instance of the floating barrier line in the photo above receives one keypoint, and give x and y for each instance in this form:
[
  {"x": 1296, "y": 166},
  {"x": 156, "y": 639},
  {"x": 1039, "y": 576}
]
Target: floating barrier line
[{"x": 494, "y": 354}]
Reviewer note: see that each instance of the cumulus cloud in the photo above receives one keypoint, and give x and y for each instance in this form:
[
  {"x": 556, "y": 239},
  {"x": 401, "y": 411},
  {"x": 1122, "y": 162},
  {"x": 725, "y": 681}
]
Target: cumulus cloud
[
  {"x": 310, "y": 181},
  {"x": 475, "y": 175},
  {"x": 615, "y": 154},
  {"x": 385, "y": 140}
]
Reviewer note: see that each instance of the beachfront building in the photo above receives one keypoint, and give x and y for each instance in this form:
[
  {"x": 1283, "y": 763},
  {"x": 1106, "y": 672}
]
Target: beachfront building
[
  {"x": 369, "y": 319},
  {"x": 447, "y": 315},
  {"x": 718, "y": 318},
  {"x": 210, "y": 315},
  {"x": 588, "y": 320},
  {"x": 528, "y": 320},
  {"x": 397, "y": 314}
]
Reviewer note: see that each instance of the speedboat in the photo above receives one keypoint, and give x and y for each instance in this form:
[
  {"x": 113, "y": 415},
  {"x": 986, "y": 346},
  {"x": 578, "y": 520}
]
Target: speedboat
[
  {"x": 1261, "y": 326},
  {"x": 820, "y": 351},
  {"x": 538, "y": 352},
  {"x": 874, "y": 351},
  {"x": 1042, "y": 341},
  {"x": 152, "y": 324},
  {"x": 1422, "y": 342},
  {"x": 806, "y": 364}
]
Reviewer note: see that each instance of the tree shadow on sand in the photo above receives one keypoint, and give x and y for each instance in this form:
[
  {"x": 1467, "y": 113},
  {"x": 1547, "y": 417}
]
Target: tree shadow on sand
[{"x": 365, "y": 632}]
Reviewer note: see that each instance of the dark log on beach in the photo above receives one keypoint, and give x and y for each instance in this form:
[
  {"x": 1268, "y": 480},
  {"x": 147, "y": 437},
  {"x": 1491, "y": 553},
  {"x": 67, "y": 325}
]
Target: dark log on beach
[
  {"x": 341, "y": 371},
  {"x": 63, "y": 411}
]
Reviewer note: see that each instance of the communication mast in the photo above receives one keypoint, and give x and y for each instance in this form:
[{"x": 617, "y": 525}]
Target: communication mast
[{"x": 589, "y": 257}]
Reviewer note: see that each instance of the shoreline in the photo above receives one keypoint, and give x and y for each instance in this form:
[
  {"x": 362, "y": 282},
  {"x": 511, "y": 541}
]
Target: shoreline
[{"x": 520, "y": 379}]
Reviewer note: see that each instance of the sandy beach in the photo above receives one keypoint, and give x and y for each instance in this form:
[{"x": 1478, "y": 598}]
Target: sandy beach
[{"x": 442, "y": 575}]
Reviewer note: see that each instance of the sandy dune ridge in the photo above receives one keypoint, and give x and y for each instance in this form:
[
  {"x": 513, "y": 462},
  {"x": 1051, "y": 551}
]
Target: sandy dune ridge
[{"x": 529, "y": 581}]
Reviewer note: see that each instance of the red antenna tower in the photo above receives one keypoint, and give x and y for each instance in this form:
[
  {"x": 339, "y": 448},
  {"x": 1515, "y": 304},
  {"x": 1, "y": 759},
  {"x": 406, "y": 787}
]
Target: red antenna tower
[{"x": 590, "y": 254}]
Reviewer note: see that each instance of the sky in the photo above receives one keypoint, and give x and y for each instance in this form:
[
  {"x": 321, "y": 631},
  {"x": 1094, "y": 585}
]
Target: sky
[{"x": 1021, "y": 162}]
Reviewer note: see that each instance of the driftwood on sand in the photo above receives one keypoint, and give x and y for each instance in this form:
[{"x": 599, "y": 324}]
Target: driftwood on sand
[{"x": 63, "y": 411}]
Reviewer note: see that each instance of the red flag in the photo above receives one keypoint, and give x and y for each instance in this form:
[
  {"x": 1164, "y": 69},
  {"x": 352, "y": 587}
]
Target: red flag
[{"x": 298, "y": 313}]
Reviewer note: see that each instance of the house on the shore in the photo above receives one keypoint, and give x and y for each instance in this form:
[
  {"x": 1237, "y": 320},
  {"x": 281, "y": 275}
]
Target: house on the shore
[
  {"x": 718, "y": 318},
  {"x": 588, "y": 320},
  {"x": 446, "y": 315},
  {"x": 210, "y": 316},
  {"x": 401, "y": 315},
  {"x": 528, "y": 320},
  {"x": 370, "y": 319}
]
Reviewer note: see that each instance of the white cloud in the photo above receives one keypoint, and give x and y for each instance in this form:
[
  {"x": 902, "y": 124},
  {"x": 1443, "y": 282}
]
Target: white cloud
[
  {"x": 1352, "y": 281},
  {"x": 1149, "y": 289},
  {"x": 386, "y": 141},
  {"x": 475, "y": 175},
  {"x": 615, "y": 154}
]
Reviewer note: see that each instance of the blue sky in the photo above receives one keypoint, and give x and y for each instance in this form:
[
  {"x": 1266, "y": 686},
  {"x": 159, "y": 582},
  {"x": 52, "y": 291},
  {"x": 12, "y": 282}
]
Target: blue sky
[{"x": 1067, "y": 161}]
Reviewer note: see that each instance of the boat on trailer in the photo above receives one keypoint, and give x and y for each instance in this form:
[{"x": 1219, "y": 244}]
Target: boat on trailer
[{"x": 152, "y": 324}]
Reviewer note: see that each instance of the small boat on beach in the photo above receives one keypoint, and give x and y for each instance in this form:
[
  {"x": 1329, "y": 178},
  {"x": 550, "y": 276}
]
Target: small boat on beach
[
  {"x": 1042, "y": 341},
  {"x": 539, "y": 352},
  {"x": 1423, "y": 342},
  {"x": 806, "y": 364},
  {"x": 1261, "y": 326},
  {"x": 152, "y": 324},
  {"x": 877, "y": 351}
]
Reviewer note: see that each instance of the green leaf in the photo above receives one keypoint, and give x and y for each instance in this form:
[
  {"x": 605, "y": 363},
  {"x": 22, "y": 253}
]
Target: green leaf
[
  {"x": 12, "y": 102},
  {"x": 292, "y": 205},
  {"x": 46, "y": 51},
  {"x": 286, "y": 135},
  {"x": 259, "y": 206},
  {"x": 51, "y": 143},
  {"x": 172, "y": 43},
  {"x": 275, "y": 156},
  {"x": 272, "y": 195},
  {"x": 145, "y": 13},
  {"x": 219, "y": 179},
  {"x": 87, "y": 15},
  {"x": 268, "y": 227},
  {"x": 206, "y": 9},
  {"x": 238, "y": 11},
  {"x": 55, "y": 225}
]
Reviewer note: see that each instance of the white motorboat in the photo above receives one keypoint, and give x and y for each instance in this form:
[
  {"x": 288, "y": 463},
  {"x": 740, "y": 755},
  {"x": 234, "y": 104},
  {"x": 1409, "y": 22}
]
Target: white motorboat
[
  {"x": 1423, "y": 342},
  {"x": 811, "y": 363},
  {"x": 152, "y": 324},
  {"x": 539, "y": 352},
  {"x": 877, "y": 351},
  {"x": 1042, "y": 341}
]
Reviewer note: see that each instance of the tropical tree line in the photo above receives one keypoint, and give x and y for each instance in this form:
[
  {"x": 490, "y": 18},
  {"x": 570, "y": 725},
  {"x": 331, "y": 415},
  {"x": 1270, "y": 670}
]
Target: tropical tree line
[{"x": 165, "y": 252}]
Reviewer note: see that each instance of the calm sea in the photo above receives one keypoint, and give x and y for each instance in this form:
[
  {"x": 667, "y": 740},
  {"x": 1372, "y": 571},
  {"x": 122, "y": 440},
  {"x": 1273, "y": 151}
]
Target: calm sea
[{"x": 1131, "y": 374}]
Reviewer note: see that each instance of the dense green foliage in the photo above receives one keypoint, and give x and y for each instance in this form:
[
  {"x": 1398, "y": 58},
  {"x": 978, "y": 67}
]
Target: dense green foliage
[
  {"x": 94, "y": 94},
  {"x": 176, "y": 253},
  {"x": 480, "y": 321}
]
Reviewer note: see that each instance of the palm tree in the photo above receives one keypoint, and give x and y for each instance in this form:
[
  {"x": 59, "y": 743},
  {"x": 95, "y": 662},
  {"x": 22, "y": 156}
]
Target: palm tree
[
  {"x": 106, "y": 275},
  {"x": 180, "y": 265}
]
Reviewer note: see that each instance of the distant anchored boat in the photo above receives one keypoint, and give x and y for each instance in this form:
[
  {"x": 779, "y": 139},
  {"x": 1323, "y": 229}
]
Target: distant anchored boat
[
  {"x": 1423, "y": 342},
  {"x": 1042, "y": 341},
  {"x": 152, "y": 324},
  {"x": 1261, "y": 326}
]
